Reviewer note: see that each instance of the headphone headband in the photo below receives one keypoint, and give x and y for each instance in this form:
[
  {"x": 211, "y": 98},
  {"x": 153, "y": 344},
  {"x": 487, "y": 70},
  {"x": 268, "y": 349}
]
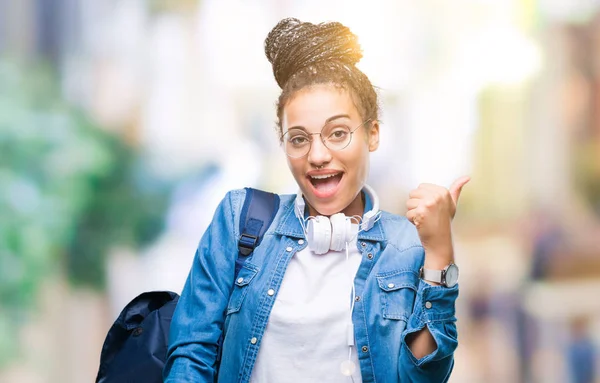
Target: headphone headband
[{"x": 370, "y": 217}]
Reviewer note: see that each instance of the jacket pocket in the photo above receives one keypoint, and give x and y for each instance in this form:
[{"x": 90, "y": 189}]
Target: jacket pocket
[
  {"x": 398, "y": 290},
  {"x": 240, "y": 287}
]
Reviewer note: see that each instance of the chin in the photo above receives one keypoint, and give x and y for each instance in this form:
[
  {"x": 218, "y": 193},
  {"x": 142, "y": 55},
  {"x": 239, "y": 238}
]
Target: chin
[
  {"x": 328, "y": 208},
  {"x": 327, "y": 211}
]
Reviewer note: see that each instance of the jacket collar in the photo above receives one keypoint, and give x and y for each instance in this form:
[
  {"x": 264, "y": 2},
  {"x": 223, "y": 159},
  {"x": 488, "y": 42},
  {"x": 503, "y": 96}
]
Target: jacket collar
[{"x": 289, "y": 225}]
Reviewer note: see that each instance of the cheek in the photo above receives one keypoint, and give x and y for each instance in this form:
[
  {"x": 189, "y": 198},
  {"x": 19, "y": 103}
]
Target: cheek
[
  {"x": 295, "y": 166},
  {"x": 362, "y": 170},
  {"x": 359, "y": 160}
]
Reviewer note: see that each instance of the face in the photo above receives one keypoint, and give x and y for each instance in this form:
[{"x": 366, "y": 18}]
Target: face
[{"x": 330, "y": 180}]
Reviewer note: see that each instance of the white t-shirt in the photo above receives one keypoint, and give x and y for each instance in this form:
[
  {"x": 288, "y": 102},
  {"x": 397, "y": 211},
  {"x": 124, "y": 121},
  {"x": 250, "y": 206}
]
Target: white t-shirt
[{"x": 305, "y": 340}]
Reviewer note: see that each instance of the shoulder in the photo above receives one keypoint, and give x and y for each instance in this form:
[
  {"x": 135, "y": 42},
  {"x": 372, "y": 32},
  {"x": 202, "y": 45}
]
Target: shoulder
[
  {"x": 233, "y": 201},
  {"x": 232, "y": 204},
  {"x": 286, "y": 200},
  {"x": 402, "y": 250},
  {"x": 401, "y": 236},
  {"x": 237, "y": 197}
]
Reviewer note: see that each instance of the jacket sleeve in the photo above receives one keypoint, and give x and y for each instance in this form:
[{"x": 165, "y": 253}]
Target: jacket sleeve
[
  {"x": 435, "y": 308},
  {"x": 197, "y": 322}
]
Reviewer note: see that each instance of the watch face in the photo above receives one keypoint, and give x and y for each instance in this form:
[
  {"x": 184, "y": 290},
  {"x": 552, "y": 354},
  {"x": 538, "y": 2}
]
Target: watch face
[{"x": 451, "y": 275}]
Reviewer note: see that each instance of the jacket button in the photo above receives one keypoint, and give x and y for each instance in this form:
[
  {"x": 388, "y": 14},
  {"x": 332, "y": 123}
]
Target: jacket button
[
  {"x": 363, "y": 244},
  {"x": 370, "y": 255},
  {"x": 357, "y": 298},
  {"x": 288, "y": 249},
  {"x": 253, "y": 340},
  {"x": 428, "y": 305},
  {"x": 391, "y": 285},
  {"x": 240, "y": 280},
  {"x": 365, "y": 349},
  {"x": 301, "y": 242},
  {"x": 271, "y": 292}
]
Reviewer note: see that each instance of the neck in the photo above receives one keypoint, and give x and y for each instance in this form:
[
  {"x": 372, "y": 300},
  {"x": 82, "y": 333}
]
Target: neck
[{"x": 356, "y": 207}]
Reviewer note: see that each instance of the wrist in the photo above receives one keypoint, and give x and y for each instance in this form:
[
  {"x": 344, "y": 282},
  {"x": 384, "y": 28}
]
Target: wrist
[
  {"x": 447, "y": 277},
  {"x": 438, "y": 259}
]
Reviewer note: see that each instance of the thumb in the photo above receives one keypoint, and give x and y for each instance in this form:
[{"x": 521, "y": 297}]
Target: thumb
[{"x": 457, "y": 186}]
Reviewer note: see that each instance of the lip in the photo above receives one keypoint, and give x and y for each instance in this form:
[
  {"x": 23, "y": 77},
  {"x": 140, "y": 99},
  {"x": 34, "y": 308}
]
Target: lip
[{"x": 324, "y": 172}]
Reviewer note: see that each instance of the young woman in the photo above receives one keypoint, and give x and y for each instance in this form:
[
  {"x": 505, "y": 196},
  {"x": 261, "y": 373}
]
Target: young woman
[{"x": 337, "y": 291}]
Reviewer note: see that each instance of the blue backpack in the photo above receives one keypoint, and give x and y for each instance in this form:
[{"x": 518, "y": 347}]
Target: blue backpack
[{"x": 135, "y": 348}]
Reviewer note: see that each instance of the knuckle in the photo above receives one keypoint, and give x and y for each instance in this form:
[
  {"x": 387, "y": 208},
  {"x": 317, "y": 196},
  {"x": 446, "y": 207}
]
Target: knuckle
[{"x": 442, "y": 196}]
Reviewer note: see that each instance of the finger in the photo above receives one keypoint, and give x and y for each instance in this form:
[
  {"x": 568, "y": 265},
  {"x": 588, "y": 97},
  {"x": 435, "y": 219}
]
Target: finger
[
  {"x": 415, "y": 216},
  {"x": 427, "y": 189},
  {"x": 429, "y": 186},
  {"x": 420, "y": 192},
  {"x": 411, "y": 215},
  {"x": 456, "y": 187},
  {"x": 412, "y": 203}
]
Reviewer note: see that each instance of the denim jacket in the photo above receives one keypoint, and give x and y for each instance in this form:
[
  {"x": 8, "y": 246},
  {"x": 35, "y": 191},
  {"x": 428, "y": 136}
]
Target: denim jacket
[{"x": 391, "y": 301}]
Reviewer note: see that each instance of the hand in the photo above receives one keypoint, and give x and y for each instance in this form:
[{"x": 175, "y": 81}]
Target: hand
[{"x": 431, "y": 209}]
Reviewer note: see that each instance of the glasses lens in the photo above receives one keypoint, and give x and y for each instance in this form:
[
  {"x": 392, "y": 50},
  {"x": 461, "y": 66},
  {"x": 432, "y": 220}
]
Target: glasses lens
[
  {"x": 336, "y": 136},
  {"x": 296, "y": 142}
]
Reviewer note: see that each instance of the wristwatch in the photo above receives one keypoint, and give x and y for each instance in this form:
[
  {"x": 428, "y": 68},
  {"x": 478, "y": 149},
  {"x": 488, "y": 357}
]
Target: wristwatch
[{"x": 447, "y": 277}]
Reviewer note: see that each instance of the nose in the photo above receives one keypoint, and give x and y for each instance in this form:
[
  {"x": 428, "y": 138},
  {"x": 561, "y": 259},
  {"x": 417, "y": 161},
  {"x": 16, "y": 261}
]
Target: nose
[{"x": 319, "y": 154}]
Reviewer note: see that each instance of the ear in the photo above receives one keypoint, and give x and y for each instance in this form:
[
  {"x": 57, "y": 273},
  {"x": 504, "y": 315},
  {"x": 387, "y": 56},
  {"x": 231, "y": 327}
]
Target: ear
[{"x": 374, "y": 136}]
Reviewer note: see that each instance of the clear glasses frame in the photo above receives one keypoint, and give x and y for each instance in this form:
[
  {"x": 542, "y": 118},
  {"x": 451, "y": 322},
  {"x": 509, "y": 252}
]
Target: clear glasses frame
[{"x": 297, "y": 142}]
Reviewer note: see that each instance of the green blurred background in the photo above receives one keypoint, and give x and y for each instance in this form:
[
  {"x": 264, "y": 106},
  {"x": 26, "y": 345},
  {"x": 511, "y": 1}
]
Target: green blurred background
[{"x": 123, "y": 123}]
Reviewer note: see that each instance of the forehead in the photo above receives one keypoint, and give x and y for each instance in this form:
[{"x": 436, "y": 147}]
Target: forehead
[{"x": 312, "y": 106}]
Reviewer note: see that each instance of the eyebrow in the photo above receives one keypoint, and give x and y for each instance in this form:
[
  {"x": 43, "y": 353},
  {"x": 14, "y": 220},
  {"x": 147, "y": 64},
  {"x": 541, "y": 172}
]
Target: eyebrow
[{"x": 337, "y": 116}]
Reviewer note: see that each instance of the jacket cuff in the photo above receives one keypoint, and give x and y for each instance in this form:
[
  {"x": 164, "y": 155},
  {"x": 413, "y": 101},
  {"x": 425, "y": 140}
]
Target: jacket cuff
[
  {"x": 435, "y": 303},
  {"x": 435, "y": 308}
]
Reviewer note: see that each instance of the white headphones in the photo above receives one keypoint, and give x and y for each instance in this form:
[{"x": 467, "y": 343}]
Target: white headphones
[{"x": 324, "y": 234}]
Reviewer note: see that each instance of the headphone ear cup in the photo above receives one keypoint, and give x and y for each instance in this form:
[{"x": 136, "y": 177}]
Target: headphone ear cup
[
  {"x": 318, "y": 233},
  {"x": 340, "y": 231},
  {"x": 351, "y": 230}
]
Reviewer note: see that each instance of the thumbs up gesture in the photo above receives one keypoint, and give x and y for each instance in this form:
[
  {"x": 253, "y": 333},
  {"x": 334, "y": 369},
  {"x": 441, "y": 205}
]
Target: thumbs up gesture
[{"x": 431, "y": 209}]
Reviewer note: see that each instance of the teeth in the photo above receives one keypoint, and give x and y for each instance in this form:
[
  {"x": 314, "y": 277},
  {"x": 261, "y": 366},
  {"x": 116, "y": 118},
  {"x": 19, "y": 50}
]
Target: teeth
[{"x": 322, "y": 177}]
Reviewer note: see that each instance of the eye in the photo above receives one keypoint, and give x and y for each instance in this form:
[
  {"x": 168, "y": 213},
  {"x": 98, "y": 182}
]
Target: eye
[
  {"x": 338, "y": 133},
  {"x": 298, "y": 140}
]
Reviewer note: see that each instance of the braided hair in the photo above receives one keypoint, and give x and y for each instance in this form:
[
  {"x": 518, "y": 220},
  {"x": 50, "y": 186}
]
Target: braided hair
[{"x": 304, "y": 54}]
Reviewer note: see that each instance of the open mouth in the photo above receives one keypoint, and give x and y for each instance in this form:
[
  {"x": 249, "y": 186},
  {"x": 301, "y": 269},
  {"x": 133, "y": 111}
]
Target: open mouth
[{"x": 325, "y": 184}]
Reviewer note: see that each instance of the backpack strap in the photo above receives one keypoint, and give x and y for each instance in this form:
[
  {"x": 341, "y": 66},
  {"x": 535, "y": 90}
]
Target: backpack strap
[{"x": 257, "y": 214}]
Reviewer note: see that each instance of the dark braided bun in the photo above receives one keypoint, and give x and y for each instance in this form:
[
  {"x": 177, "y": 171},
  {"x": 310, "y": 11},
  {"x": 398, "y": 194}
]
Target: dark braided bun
[
  {"x": 293, "y": 45},
  {"x": 305, "y": 54}
]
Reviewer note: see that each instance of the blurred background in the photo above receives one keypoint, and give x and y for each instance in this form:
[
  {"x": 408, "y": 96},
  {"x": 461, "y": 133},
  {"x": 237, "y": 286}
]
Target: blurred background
[{"x": 124, "y": 122}]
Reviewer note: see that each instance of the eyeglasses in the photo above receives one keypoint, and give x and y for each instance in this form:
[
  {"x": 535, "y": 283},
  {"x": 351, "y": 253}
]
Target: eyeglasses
[{"x": 334, "y": 135}]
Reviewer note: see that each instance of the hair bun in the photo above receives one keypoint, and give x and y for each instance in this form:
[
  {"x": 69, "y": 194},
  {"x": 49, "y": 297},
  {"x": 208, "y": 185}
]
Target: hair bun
[{"x": 292, "y": 45}]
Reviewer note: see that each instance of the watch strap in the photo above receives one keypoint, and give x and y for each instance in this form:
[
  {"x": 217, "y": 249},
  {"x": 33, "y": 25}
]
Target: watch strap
[{"x": 432, "y": 275}]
